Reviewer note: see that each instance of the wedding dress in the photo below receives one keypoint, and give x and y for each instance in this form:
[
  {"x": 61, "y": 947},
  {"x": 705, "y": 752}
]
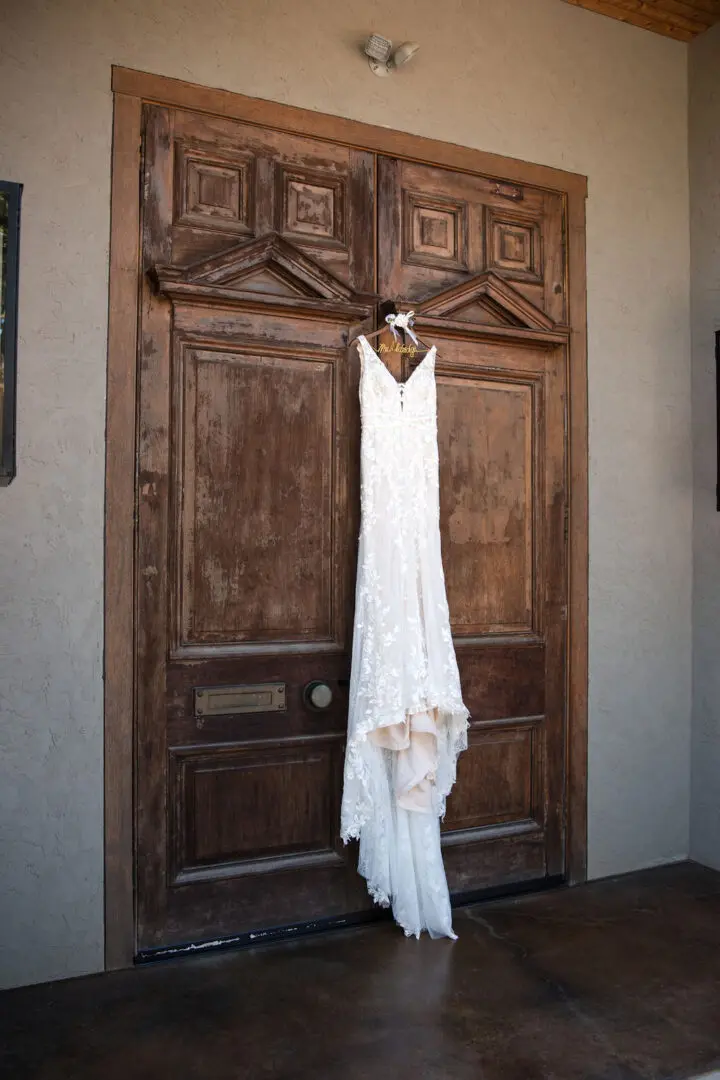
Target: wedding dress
[{"x": 407, "y": 722}]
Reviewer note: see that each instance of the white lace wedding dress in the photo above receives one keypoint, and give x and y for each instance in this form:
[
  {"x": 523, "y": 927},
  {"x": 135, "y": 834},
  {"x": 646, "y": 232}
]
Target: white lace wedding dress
[{"x": 407, "y": 722}]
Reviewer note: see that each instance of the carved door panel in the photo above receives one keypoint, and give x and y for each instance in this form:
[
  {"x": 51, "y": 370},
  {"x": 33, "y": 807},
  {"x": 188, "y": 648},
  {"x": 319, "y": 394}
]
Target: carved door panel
[
  {"x": 234, "y": 182},
  {"x": 256, "y": 252},
  {"x": 482, "y": 265},
  {"x": 439, "y": 228}
]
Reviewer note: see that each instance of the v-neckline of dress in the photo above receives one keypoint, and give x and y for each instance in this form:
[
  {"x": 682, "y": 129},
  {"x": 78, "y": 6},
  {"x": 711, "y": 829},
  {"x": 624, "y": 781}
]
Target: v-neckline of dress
[{"x": 401, "y": 386}]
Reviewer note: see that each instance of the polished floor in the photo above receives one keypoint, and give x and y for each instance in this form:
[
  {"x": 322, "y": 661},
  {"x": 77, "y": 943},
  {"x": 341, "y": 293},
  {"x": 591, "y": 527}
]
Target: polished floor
[{"x": 617, "y": 980}]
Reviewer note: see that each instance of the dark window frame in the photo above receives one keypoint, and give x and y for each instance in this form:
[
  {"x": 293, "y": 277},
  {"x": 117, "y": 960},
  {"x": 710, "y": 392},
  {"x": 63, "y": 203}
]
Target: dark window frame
[{"x": 9, "y": 337}]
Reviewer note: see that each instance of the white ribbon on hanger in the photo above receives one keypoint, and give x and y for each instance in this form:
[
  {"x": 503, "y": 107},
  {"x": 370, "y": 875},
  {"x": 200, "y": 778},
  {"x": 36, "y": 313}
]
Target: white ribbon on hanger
[{"x": 402, "y": 322}]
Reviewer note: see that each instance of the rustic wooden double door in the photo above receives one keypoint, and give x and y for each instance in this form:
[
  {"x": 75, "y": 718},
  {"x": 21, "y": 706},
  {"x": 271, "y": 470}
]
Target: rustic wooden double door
[{"x": 263, "y": 254}]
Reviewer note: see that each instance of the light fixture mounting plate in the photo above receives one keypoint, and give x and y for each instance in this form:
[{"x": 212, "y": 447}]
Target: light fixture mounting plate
[{"x": 378, "y": 68}]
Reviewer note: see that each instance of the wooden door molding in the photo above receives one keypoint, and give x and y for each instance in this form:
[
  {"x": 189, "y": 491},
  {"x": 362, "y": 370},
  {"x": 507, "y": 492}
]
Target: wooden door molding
[
  {"x": 120, "y": 502},
  {"x": 133, "y": 89},
  {"x": 223, "y": 279},
  {"x": 509, "y": 306}
]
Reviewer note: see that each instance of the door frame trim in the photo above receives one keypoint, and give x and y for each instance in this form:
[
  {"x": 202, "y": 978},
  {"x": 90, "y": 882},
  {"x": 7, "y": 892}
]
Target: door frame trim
[{"x": 131, "y": 90}]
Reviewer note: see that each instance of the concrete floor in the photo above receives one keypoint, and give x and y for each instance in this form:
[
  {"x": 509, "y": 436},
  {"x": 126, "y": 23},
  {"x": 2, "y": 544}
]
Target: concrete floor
[{"x": 617, "y": 980}]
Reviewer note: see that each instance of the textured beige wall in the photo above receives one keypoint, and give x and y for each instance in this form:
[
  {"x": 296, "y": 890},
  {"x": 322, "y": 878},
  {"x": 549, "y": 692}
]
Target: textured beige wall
[
  {"x": 705, "y": 241},
  {"x": 535, "y": 79}
]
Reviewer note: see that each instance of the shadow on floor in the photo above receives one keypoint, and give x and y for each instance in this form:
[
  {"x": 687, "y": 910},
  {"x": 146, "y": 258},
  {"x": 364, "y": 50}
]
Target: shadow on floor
[{"x": 616, "y": 980}]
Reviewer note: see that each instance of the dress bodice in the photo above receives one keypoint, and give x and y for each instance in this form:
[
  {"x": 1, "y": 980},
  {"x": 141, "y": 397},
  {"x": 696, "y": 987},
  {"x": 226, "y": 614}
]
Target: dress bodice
[{"x": 383, "y": 398}]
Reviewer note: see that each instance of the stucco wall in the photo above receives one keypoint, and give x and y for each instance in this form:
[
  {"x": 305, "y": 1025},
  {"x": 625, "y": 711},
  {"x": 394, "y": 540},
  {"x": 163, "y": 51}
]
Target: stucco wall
[
  {"x": 535, "y": 79},
  {"x": 705, "y": 240}
]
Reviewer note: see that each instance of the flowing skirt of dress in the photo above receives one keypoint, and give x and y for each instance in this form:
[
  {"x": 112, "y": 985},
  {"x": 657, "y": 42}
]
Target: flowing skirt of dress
[{"x": 400, "y": 767}]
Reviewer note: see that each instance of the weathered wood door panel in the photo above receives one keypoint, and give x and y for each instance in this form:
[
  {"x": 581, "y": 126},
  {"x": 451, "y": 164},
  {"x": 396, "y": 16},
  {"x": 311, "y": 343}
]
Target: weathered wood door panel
[
  {"x": 482, "y": 265},
  {"x": 254, "y": 263},
  {"x": 439, "y": 228},
  {"x": 233, "y": 182},
  {"x": 258, "y": 265}
]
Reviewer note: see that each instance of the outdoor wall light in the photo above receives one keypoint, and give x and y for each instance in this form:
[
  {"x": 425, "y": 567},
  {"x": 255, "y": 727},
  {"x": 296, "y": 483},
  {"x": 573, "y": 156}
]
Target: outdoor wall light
[{"x": 381, "y": 58}]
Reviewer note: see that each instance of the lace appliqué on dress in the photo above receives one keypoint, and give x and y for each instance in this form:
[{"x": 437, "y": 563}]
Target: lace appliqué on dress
[{"x": 407, "y": 723}]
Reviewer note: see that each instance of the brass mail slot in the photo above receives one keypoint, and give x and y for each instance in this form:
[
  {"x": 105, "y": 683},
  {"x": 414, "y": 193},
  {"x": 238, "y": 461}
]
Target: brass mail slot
[{"x": 228, "y": 700}]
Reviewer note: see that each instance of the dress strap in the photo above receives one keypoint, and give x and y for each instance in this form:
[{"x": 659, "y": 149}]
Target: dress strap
[{"x": 363, "y": 347}]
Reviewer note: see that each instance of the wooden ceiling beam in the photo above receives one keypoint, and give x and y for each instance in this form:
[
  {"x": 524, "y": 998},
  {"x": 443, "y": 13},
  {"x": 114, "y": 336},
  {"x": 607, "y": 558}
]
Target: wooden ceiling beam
[
  {"x": 682, "y": 20},
  {"x": 710, "y": 7},
  {"x": 666, "y": 11},
  {"x": 690, "y": 12},
  {"x": 604, "y": 7}
]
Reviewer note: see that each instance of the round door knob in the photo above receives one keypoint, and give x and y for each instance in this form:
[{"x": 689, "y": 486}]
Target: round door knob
[{"x": 317, "y": 695}]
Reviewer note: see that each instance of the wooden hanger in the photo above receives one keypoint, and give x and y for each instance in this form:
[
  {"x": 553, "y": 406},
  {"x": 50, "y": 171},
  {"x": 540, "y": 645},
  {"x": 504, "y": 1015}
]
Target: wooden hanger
[{"x": 389, "y": 308}]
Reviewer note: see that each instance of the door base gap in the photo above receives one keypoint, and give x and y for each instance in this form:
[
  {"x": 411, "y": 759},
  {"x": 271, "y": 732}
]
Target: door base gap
[{"x": 276, "y": 934}]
